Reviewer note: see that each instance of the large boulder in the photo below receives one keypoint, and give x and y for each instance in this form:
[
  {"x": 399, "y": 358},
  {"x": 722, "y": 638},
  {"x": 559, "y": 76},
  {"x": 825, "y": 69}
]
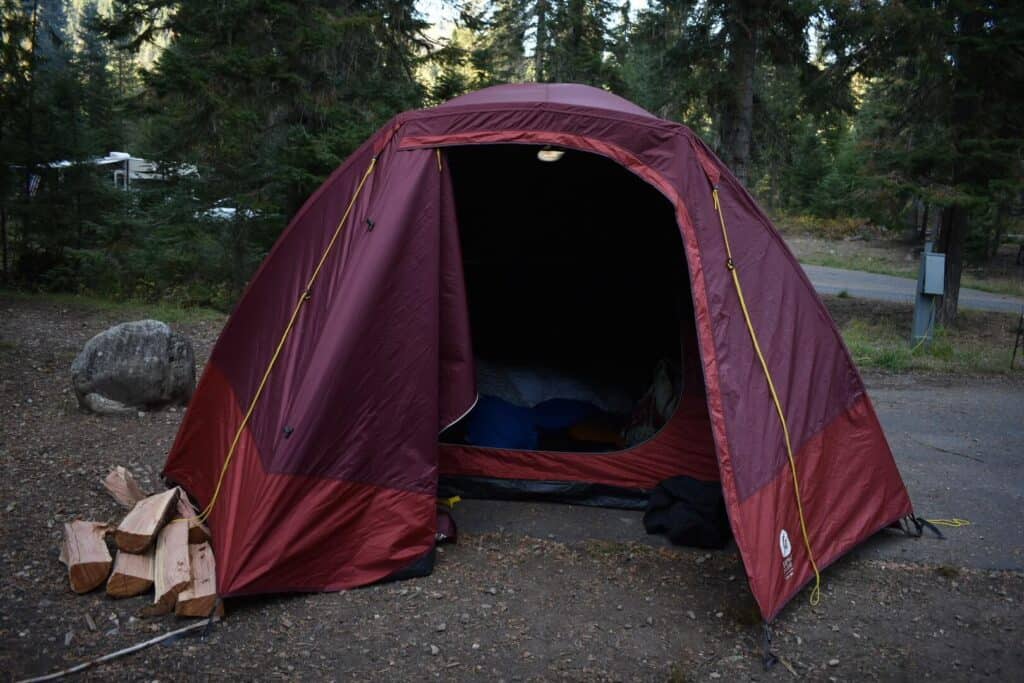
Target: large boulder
[{"x": 138, "y": 365}]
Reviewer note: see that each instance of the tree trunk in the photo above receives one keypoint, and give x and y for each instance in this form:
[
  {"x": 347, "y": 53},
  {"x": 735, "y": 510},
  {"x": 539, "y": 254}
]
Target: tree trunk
[
  {"x": 30, "y": 167},
  {"x": 3, "y": 240},
  {"x": 738, "y": 116},
  {"x": 998, "y": 233},
  {"x": 967, "y": 172},
  {"x": 542, "y": 38},
  {"x": 952, "y": 231}
]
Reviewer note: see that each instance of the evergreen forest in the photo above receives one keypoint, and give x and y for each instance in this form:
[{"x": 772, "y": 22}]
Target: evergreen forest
[{"x": 904, "y": 114}]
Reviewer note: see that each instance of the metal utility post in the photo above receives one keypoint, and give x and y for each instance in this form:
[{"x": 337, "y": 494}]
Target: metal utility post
[
  {"x": 1018, "y": 343},
  {"x": 930, "y": 285}
]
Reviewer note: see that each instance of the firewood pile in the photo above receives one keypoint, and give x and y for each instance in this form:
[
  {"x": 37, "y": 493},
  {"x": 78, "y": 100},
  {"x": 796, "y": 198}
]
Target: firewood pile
[{"x": 160, "y": 546}]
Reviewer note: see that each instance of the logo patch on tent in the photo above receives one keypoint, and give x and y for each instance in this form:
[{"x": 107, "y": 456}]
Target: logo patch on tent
[
  {"x": 784, "y": 544},
  {"x": 786, "y": 548}
]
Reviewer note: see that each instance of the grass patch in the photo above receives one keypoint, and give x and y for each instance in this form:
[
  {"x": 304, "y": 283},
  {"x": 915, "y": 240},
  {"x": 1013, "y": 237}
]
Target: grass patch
[
  {"x": 875, "y": 251},
  {"x": 1012, "y": 286},
  {"x": 996, "y": 285},
  {"x": 878, "y": 335},
  {"x": 867, "y": 264},
  {"x": 826, "y": 228},
  {"x": 166, "y": 312}
]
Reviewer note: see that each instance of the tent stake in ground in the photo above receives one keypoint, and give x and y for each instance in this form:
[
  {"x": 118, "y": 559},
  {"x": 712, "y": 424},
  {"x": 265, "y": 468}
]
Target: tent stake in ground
[{"x": 572, "y": 329}]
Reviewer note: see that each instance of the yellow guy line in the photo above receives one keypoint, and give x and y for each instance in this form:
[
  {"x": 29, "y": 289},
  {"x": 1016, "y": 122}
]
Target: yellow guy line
[
  {"x": 731, "y": 265},
  {"x": 303, "y": 298},
  {"x": 955, "y": 522}
]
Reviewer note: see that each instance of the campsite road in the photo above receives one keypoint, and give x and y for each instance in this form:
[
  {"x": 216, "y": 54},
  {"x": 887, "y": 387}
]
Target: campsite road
[
  {"x": 958, "y": 445},
  {"x": 900, "y": 289}
]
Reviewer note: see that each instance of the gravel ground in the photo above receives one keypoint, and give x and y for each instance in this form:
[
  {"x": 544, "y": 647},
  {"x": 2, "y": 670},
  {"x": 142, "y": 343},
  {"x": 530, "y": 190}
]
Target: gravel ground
[{"x": 499, "y": 606}]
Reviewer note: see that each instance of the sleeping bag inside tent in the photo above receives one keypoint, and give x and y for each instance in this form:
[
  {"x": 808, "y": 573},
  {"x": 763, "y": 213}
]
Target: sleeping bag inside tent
[{"x": 538, "y": 290}]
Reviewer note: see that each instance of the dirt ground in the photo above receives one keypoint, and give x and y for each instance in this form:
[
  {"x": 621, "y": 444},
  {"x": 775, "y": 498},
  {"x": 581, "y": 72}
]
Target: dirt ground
[{"x": 501, "y": 605}]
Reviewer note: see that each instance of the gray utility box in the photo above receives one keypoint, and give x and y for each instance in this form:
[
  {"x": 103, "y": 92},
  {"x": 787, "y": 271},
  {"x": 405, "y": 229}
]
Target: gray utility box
[{"x": 934, "y": 273}]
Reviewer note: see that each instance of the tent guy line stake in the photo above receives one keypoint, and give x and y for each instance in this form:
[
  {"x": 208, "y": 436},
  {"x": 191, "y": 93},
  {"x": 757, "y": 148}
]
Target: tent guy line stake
[
  {"x": 731, "y": 266},
  {"x": 120, "y": 653}
]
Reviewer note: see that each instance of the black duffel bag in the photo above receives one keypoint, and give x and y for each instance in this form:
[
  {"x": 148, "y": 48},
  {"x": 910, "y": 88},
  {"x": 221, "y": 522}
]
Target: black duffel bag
[{"x": 689, "y": 512}]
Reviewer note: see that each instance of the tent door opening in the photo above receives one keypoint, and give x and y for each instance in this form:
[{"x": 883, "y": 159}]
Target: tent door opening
[{"x": 579, "y": 305}]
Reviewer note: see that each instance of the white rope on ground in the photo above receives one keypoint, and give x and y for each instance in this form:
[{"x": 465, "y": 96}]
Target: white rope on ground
[{"x": 128, "y": 650}]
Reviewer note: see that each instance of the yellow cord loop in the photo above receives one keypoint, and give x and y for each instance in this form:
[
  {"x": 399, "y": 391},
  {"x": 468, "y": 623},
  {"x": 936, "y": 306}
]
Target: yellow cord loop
[
  {"x": 955, "y": 522},
  {"x": 303, "y": 298},
  {"x": 731, "y": 266}
]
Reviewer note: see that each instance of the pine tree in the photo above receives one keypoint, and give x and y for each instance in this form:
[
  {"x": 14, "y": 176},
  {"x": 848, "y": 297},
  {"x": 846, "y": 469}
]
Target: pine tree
[
  {"x": 264, "y": 99},
  {"x": 500, "y": 55},
  {"x": 941, "y": 123},
  {"x": 704, "y": 61},
  {"x": 579, "y": 41},
  {"x": 16, "y": 27}
]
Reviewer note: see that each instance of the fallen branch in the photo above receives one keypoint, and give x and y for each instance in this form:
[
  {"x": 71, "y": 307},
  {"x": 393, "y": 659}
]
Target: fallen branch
[{"x": 120, "y": 653}]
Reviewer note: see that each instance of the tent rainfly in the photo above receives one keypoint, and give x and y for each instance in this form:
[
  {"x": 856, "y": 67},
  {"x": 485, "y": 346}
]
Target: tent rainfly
[{"x": 550, "y": 226}]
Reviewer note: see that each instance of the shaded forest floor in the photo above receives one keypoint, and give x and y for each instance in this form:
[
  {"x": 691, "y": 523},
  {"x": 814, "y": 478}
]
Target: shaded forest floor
[{"x": 498, "y": 606}]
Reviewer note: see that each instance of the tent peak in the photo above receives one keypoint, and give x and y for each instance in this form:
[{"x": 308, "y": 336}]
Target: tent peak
[{"x": 571, "y": 94}]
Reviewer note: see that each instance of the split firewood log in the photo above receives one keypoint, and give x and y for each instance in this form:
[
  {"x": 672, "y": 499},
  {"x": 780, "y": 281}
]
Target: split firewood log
[
  {"x": 197, "y": 531},
  {"x": 139, "y": 529},
  {"x": 200, "y": 598},
  {"x": 121, "y": 484},
  {"x": 171, "y": 573},
  {"x": 132, "y": 575},
  {"x": 85, "y": 553}
]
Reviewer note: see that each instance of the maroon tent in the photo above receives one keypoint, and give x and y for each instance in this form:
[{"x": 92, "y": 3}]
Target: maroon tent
[{"x": 313, "y": 436}]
